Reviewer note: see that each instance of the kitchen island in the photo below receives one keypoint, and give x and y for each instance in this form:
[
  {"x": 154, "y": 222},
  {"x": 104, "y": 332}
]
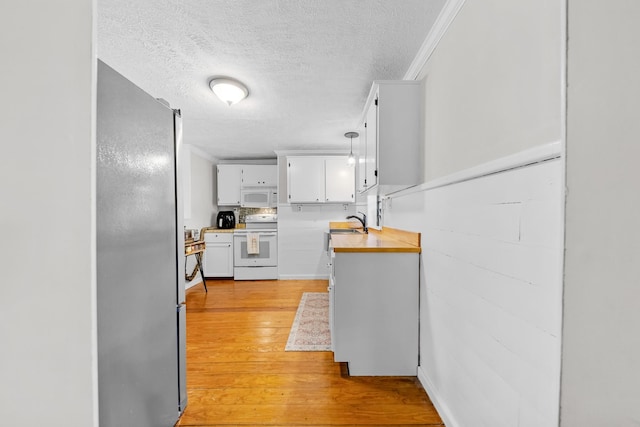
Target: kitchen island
[{"x": 374, "y": 300}]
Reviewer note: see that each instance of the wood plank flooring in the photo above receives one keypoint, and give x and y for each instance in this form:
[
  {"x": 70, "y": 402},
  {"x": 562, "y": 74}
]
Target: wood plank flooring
[{"x": 238, "y": 373}]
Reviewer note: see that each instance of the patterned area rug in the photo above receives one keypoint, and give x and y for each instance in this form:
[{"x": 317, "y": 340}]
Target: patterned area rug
[{"x": 310, "y": 329}]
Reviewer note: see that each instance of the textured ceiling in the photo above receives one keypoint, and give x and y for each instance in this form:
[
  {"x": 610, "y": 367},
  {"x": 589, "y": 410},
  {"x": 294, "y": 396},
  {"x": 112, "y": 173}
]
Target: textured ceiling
[{"x": 308, "y": 64}]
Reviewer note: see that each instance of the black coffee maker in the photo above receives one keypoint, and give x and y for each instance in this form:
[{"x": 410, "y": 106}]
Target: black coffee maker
[{"x": 226, "y": 219}]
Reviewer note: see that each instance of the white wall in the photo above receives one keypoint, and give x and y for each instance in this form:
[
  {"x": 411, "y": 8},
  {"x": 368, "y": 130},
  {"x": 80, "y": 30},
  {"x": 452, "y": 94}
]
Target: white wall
[
  {"x": 302, "y": 227},
  {"x": 491, "y": 283},
  {"x": 47, "y": 188},
  {"x": 202, "y": 191},
  {"x": 301, "y": 238},
  {"x": 601, "y": 348},
  {"x": 493, "y": 84},
  {"x": 200, "y": 186},
  {"x": 490, "y": 289}
]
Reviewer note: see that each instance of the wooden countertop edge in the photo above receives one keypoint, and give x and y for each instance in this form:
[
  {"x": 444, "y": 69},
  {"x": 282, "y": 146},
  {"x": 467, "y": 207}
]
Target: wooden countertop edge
[
  {"x": 409, "y": 237},
  {"x": 386, "y": 240},
  {"x": 221, "y": 230},
  {"x": 377, "y": 250},
  {"x": 344, "y": 224}
]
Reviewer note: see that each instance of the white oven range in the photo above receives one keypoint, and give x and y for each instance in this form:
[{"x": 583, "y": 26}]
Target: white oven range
[{"x": 255, "y": 248}]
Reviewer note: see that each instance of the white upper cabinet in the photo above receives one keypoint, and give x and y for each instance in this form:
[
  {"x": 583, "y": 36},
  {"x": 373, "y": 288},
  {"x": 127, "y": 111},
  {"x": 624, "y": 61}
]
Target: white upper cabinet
[
  {"x": 305, "y": 178},
  {"x": 391, "y": 124},
  {"x": 229, "y": 181},
  {"x": 362, "y": 157},
  {"x": 233, "y": 177},
  {"x": 339, "y": 180},
  {"x": 259, "y": 175},
  {"x": 320, "y": 179},
  {"x": 371, "y": 145}
]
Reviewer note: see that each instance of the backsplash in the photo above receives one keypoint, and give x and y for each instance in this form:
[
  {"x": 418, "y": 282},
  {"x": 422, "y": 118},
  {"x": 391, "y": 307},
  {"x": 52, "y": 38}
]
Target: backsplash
[{"x": 243, "y": 212}]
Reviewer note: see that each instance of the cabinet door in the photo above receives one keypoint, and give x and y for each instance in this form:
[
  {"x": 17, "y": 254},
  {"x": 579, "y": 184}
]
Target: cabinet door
[
  {"x": 362, "y": 157},
  {"x": 363, "y": 284},
  {"x": 305, "y": 179},
  {"x": 339, "y": 180},
  {"x": 371, "y": 135},
  {"x": 218, "y": 260},
  {"x": 259, "y": 175},
  {"x": 229, "y": 179}
]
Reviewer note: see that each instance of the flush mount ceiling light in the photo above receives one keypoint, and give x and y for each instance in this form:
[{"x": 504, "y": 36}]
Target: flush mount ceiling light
[
  {"x": 351, "y": 160},
  {"x": 228, "y": 90}
]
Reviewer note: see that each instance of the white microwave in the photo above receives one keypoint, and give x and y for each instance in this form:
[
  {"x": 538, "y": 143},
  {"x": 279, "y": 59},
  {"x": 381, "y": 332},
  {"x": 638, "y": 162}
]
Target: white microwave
[{"x": 258, "y": 197}]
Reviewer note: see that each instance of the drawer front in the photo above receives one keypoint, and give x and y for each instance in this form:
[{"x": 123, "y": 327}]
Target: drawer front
[{"x": 218, "y": 237}]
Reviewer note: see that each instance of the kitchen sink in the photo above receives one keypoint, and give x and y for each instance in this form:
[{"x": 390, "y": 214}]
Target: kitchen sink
[{"x": 345, "y": 231}]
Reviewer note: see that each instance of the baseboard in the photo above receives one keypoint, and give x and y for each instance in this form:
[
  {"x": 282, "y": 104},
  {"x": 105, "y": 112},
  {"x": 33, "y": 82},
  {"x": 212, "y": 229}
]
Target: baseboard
[
  {"x": 193, "y": 283},
  {"x": 255, "y": 273},
  {"x": 443, "y": 410},
  {"x": 303, "y": 277},
  {"x": 198, "y": 281}
]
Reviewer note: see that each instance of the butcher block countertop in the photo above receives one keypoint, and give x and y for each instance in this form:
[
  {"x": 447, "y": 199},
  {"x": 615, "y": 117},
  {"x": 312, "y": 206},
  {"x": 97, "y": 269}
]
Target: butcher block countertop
[
  {"x": 220, "y": 230},
  {"x": 386, "y": 240}
]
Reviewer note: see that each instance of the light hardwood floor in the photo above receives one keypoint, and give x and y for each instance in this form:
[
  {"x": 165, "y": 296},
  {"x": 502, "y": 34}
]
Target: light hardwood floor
[{"x": 238, "y": 373}]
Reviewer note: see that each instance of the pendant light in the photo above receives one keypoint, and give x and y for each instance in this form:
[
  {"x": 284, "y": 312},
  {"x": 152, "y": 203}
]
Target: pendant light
[{"x": 351, "y": 160}]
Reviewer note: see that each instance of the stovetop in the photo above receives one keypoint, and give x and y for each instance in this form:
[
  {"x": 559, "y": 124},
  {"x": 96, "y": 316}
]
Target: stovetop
[
  {"x": 253, "y": 218},
  {"x": 261, "y": 222}
]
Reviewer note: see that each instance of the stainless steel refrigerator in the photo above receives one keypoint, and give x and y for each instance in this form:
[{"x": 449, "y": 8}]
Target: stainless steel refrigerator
[{"x": 140, "y": 244}]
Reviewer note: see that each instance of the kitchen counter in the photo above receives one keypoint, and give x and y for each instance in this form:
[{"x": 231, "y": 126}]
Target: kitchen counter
[
  {"x": 373, "y": 300},
  {"x": 221, "y": 230},
  {"x": 385, "y": 240}
]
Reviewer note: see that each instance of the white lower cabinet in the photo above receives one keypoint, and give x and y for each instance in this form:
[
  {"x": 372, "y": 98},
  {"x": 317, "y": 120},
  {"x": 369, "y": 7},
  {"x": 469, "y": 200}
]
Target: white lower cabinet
[
  {"x": 374, "y": 312},
  {"x": 218, "y": 255}
]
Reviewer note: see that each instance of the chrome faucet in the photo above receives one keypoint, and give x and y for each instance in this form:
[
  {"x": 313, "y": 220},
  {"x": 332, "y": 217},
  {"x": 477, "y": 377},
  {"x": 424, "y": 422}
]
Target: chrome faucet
[{"x": 362, "y": 220}]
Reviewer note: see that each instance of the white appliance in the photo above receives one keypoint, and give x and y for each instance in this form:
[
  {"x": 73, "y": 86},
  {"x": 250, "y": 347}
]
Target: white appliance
[
  {"x": 255, "y": 248},
  {"x": 259, "y": 197}
]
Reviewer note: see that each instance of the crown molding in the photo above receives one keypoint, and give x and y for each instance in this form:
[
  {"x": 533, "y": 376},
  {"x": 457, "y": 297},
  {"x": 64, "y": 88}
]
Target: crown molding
[
  {"x": 281, "y": 153},
  {"x": 270, "y": 161},
  {"x": 443, "y": 21}
]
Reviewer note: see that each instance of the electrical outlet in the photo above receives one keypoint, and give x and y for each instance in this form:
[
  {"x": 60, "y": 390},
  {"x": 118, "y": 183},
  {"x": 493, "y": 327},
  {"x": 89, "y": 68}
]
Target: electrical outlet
[
  {"x": 299, "y": 208},
  {"x": 345, "y": 207}
]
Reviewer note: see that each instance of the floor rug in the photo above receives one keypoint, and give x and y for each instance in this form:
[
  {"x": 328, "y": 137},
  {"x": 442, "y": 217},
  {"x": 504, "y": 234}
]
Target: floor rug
[{"x": 310, "y": 329}]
